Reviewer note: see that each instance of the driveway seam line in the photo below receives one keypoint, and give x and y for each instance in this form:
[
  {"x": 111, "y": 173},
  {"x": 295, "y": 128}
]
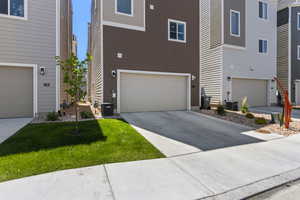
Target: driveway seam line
[
  {"x": 196, "y": 179},
  {"x": 110, "y": 186}
]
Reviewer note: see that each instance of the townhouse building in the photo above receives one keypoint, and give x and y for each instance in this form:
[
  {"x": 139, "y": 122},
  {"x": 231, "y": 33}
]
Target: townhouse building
[
  {"x": 238, "y": 50},
  {"x": 32, "y": 33},
  {"x": 288, "y": 48},
  {"x": 145, "y": 54}
]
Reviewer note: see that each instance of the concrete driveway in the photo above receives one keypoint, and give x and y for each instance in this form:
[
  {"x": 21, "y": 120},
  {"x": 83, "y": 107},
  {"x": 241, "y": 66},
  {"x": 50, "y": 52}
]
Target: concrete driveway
[
  {"x": 177, "y": 133},
  {"x": 9, "y": 127},
  {"x": 269, "y": 110}
]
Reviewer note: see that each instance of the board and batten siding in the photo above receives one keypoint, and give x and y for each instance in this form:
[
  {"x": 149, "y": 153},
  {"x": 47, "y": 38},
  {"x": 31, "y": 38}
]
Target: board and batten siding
[
  {"x": 282, "y": 55},
  {"x": 211, "y": 60},
  {"x": 33, "y": 41}
]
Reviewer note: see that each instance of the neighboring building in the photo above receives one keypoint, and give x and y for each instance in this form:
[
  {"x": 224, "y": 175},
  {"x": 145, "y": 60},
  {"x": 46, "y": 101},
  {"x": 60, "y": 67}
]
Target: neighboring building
[
  {"x": 238, "y": 50},
  {"x": 74, "y": 45},
  {"x": 145, "y": 54},
  {"x": 288, "y": 49},
  {"x": 32, "y": 33}
]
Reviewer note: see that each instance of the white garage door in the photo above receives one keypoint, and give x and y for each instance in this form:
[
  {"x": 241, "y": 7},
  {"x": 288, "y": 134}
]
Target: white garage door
[
  {"x": 153, "y": 92},
  {"x": 16, "y": 92},
  {"x": 254, "y": 90}
]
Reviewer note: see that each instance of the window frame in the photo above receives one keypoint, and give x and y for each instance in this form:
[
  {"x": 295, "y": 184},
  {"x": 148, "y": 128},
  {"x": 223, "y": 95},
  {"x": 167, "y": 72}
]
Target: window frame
[
  {"x": 125, "y": 14},
  {"x": 264, "y": 14},
  {"x": 239, "y": 24},
  {"x": 264, "y": 53},
  {"x": 298, "y": 21},
  {"x": 8, "y": 15},
  {"x": 177, "y": 22}
]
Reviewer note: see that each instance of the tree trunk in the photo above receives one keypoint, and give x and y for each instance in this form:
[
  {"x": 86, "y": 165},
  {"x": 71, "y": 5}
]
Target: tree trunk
[{"x": 77, "y": 121}]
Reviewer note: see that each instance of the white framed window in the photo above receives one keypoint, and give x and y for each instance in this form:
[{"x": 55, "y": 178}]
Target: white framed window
[
  {"x": 263, "y": 46},
  {"x": 176, "y": 30},
  {"x": 13, "y": 8},
  {"x": 263, "y": 10},
  {"x": 235, "y": 23},
  {"x": 298, "y": 21},
  {"x": 298, "y": 52},
  {"x": 124, "y": 7}
]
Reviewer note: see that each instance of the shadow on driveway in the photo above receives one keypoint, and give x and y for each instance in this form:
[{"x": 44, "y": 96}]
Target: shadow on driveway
[{"x": 192, "y": 129}]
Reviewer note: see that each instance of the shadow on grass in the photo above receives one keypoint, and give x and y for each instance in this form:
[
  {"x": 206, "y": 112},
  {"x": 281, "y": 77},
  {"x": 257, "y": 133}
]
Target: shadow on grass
[{"x": 37, "y": 137}]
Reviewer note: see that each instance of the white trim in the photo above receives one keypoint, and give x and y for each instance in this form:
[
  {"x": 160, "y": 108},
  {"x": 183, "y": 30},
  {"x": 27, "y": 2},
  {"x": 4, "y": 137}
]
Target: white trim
[
  {"x": 290, "y": 54},
  {"x": 177, "y": 22},
  {"x": 17, "y": 17},
  {"x": 119, "y": 71},
  {"x": 298, "y": 52},
  {"x": 121, "y": 13},
  {"x": 239, "y": 15},
  {"x": 297, "y": 100},
  {"x": 298, "y": 21},
  {"x": 234, "y": 47},
  {"x": 35, "y": 89},
  {"x": 126, "y": 26},
  {"x": 57, "y": 74},
  {"x": 102, "y": 53}
]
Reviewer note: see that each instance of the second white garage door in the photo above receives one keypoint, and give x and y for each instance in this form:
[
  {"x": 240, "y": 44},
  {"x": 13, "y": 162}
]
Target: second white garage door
[
  {"x": 255, "y": 90},
  {"x": 153, "y": 92}
]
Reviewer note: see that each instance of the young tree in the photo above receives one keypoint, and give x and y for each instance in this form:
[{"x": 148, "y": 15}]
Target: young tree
[{"x": 74, "y": 71}]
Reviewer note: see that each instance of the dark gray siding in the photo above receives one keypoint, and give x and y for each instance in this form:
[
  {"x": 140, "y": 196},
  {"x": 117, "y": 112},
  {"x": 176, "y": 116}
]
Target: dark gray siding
[
  {"x": 295, "y": 41},
  {"x": 283, "y": 17},
  {"x": 151, "y": 50},
  {"x": 240, "y": 6}
]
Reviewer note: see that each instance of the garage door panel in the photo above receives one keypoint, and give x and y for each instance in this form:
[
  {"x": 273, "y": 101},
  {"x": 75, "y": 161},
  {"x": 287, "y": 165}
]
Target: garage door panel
[
  {"x": 254, "y": 90},
  {"x": 16, "y": 92},
  {"x": 141, "y": 93}
]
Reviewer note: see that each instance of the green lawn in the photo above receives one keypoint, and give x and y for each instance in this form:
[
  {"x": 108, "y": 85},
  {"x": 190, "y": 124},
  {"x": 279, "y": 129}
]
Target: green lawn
[{"x": 42, "y": 148}]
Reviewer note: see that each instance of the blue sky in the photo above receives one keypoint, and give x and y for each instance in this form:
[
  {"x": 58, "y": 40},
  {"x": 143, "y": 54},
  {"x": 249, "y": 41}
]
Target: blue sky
[{"x": 81, "y": 17}]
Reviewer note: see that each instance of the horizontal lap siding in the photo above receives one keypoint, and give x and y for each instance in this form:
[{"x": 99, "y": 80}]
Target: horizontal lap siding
[
  {"x": 282, "y": 55},
  {"x": 211, "y": 60},
  {"x": 33, "y": 41}
]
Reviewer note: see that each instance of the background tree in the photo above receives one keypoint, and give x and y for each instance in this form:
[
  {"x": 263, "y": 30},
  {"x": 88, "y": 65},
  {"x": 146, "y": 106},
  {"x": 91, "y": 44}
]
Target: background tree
[{"x": 74, "y": 71}]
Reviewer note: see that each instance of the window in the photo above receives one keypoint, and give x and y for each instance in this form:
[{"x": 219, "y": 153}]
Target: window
[
  {"x": 263, "y": 10},
  {"x": 235, "y": 23},
  {"x": 14, "y": 8},
  {"x": 125, "y": 7},
  {"x": 298, "y": 21},
  {"x": 263, "y": 46},
  {"x": 298, "y": 52},
  {"x": 177, "y": 31}
]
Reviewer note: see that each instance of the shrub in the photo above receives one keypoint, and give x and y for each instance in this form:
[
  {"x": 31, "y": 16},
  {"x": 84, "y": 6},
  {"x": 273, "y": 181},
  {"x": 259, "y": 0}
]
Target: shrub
[
  {"x": 52, "y": 116},
  {"x": 86, "y": 115},
  {"x": 261, "y": 121},
  {"x": 250, "y": 116},
  {"x": 244, "y": 105},
  {"x": 221, "y": 110}
]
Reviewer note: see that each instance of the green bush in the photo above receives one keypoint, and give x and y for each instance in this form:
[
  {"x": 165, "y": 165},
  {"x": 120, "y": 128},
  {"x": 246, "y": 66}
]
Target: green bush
[
  {"x": 221, "y": 110},
  {"x": 250, "y": 116},
  {"x": 245, "y": 106},
  {"x": 261, "y": 121},
  {"x": 52, "y": 116},
  {"x": 86, "y": 115}
]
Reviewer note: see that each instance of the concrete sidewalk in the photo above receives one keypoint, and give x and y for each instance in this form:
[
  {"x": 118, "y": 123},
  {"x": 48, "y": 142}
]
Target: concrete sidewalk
[{"x": 230, "y": 173}]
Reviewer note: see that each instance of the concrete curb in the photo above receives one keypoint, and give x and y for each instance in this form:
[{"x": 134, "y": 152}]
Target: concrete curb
[{"x": 257, "y": 187}]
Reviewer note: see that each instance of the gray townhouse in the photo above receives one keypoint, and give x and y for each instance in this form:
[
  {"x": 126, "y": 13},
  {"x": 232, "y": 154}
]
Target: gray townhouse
[
  {"x": 146, "y": 54},
  {"x": 32, "y": 33},
  {"x": 238, "y": 50},
  {"x": 158, "y": 55},
  {"x": 288, "y": 58}
]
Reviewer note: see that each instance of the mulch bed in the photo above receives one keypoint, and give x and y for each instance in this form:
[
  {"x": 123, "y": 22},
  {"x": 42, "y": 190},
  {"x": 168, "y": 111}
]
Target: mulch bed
[{"x": 239, "y": 117}]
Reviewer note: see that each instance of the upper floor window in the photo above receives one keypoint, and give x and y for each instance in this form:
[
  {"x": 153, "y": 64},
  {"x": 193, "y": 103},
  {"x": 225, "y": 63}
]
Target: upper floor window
[
  {"x": 263, "y": 46},
  {"x": 235, "y": 20},
  {"x": 298, "y": 52},
  {"x": 298, "y": 21},
  {"x": 263, "y": 10},
  {"x": 177, "y": 31},
  {"x": 124, "y": 7},
  {"x": 14, "y": 8}
]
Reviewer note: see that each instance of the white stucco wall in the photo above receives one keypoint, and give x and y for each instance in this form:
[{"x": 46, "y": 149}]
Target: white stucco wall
[{"x": 248, "y": 62}]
